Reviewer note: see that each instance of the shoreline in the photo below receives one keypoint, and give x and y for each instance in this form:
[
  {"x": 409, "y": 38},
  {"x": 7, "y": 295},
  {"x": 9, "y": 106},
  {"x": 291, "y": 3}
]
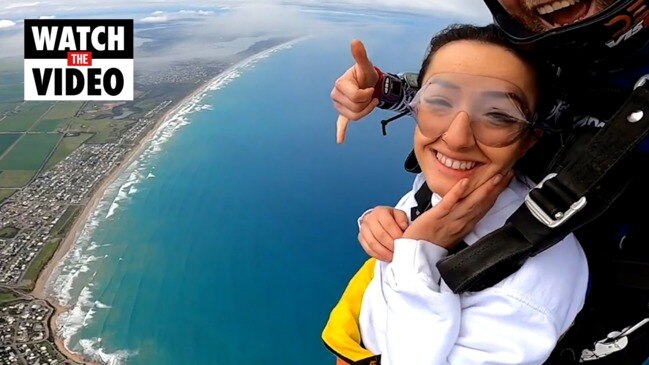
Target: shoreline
[
  {"x": 80, "y": 222},
  {"x": 96, "y": 196}
]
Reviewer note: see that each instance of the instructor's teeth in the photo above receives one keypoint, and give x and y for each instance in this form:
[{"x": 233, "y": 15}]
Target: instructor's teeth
[{"x": 554, "y": 6}]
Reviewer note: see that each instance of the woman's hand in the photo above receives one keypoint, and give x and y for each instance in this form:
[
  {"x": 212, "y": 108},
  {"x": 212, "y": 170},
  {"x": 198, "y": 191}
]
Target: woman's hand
[
  {"x": 447, "y": 223},
  {"x": 352, "y": 92},
  {"x": 379, "y": 228}
]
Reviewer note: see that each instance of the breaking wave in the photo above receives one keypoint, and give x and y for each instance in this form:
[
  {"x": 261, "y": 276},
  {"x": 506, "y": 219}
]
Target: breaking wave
[
  {"x": 75, "y": 270},
  {"x": 92, "y": 349}
]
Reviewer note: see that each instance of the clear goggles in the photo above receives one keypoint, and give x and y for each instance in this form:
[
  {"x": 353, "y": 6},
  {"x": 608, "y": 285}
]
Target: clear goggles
[{"x": 497, "y": 110}]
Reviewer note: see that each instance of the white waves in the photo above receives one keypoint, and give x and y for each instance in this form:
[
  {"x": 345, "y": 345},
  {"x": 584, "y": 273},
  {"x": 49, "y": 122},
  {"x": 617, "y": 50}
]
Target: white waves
[
  {"x": 70, "y": 322},
  {"x": 91, "y": 349},
  {"x": 101, "y": 305},
  {"x": 126, "y": 188},
  {"x": 72, "y": 282}
]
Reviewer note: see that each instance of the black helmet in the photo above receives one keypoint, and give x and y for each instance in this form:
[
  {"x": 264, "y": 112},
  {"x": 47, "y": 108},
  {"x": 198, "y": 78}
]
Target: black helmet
[{"x": 603, "y": 40}]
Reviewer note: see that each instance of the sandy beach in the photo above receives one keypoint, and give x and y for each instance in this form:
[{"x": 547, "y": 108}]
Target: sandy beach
[
  {"x": 96, "y": 196},
  {"x": 80, "y": 221}
]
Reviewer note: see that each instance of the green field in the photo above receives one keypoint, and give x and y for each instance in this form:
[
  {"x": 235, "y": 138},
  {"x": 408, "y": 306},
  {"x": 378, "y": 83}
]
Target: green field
[
  {"x": 41, "y": 259},
  {"x": 105, "y": 130},
  {"x": 15, "y": 178},
  {"x": 63, "y": 110},
  {"x": 63, "y": 224},
  {"x": 30, "y": 152},
  {"x": 7, "y": 140},
  {"x": 5, "y": 193},
  {"x": 26, "y": 116},
  {"x": 49, "y": 125},
  {"x": 67, "y": 145},
  {"x": 7, "y": 296},
  {"x": 8, "y": 232}
]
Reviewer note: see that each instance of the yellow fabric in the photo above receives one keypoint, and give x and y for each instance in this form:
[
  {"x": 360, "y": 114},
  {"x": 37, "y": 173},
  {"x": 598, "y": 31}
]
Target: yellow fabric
[{"x": 342, "y": 333}]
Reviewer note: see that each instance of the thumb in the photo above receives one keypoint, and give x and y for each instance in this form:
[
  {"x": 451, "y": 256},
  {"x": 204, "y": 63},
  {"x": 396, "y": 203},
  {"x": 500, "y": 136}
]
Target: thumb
[
  {"x": 366, "y": 75},
  {"x": 401, "y": 218},
  {"x": 341, "y": 129}
]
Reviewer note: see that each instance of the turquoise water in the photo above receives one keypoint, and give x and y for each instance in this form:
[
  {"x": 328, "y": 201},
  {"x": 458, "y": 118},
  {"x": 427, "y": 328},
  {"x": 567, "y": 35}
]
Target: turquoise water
[{"x": 230, "y": 242}]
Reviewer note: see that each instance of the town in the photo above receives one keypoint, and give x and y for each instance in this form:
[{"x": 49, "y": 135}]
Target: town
[{"x": 34, "y": 220}]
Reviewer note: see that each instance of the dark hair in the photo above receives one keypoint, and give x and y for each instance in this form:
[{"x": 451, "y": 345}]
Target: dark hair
[{"x": 545, "y": 76}]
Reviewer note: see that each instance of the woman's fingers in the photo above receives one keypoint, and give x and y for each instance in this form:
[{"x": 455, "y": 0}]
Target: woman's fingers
[
  {"x": 451, "y": 198},
  {"x": 350, "y": 95},
  {"x": 379, "y": 228},
  {"x": 383, "y": 237},
  {"x": 353, "y": 115},
  {"x": 479, "y": 201},
  {"x": 373, "y": 247},
  {"x": 401, "y": 218},
  {"x": 350, "y": 99},
  {"x": 390, "y": 226}
]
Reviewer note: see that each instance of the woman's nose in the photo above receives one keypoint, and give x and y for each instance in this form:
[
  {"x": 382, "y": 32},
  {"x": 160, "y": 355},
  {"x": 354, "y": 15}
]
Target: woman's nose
[{"x": 459, "y": 134}]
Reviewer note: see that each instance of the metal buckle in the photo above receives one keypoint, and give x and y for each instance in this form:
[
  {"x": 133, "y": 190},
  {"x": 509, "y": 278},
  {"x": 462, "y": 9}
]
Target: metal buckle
[
  {"x": 614, "y": 342},
  {"x": 560, "y": 217},
  {"x": 641, "y": 81}
]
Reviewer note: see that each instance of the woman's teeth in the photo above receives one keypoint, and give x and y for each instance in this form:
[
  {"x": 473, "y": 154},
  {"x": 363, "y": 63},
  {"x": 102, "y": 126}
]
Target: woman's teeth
[
  {"x": 455, "y": 164},
  {"x": 556, "y": 5}
]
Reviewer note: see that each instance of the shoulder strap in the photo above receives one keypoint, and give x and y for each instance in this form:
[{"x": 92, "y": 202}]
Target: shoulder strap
[
  {"x": 561, "y": 203},
  {"x": 422, "y": 197}
]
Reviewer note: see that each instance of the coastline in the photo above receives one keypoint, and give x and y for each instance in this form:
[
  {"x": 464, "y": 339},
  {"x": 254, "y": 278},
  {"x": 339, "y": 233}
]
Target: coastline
[
  {"x": 81, "y": 220},
  {"x": 96, "y": 196}
]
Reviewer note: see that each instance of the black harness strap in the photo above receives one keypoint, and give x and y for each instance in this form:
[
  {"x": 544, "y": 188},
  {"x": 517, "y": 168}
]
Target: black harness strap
[
  {"x": 422, "y": 197},
  {"x": 561, "y": 203}
]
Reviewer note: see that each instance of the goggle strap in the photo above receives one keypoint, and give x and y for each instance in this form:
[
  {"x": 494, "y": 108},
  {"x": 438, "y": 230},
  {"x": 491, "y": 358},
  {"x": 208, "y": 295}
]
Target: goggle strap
[{"x": 384, "y": 122}]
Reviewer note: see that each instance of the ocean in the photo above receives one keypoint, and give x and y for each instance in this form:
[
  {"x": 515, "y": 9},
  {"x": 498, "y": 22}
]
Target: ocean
[{"x": 232, "y": 236}]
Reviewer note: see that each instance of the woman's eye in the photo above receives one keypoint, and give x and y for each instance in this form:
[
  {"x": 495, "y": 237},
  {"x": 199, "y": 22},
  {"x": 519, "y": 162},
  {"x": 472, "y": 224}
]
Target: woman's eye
[
  {"x": 438, "y": 103},
  {"x": 501, "y": 118}
]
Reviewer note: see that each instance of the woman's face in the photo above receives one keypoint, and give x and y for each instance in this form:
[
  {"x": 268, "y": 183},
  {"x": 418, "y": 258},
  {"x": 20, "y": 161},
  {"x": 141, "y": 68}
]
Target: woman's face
[{"x": 456, "y": 154}]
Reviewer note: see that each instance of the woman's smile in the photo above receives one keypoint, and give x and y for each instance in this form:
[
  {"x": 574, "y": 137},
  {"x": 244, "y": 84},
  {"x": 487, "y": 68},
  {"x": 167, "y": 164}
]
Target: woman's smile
[{"x": 458, "y": 167}]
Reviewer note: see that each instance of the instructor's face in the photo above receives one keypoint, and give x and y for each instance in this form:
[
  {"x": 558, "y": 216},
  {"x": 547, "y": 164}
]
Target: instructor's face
[{"x": 542, "y": 15}]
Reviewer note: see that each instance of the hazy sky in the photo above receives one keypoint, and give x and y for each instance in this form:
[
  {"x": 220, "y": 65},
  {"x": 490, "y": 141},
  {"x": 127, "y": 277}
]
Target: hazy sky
[
  {"x": 12, "y": 12},
  {"x": 206, "y": 26}
]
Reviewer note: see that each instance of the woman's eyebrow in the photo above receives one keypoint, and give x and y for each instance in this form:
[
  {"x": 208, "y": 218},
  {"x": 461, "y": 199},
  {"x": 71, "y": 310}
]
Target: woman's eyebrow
[
  {"x": 521, "y": 100},
  {"x": 445, "y": 83}
]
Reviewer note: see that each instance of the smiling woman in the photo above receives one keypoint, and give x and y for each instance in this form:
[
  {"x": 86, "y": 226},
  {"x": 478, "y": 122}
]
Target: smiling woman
[
  {"x": 475, "y": 120},
  {"x": 486, "y": 134}
]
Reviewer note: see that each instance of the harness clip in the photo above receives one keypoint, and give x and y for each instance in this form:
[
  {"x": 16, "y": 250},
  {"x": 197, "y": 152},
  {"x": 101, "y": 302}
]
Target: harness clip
[
  {"x": 558, "y": 218},
  {"x": 614, "y": 342}
]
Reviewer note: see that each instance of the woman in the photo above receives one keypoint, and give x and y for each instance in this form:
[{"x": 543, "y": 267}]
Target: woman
[{"x": 475, "y": 117}]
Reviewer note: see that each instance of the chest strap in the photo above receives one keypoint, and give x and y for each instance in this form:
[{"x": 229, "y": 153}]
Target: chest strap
[{"x": 580, "y": 191}]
